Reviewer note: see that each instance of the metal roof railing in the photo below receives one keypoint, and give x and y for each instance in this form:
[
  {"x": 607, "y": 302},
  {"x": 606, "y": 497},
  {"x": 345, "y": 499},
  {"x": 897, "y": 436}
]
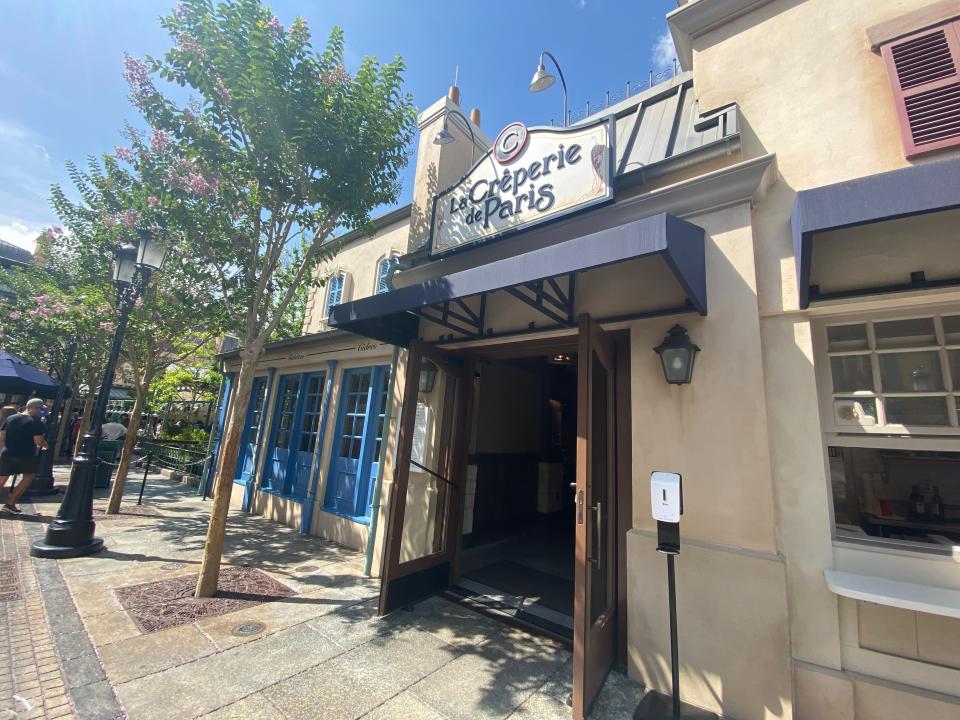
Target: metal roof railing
[{"x": 612, "y": 97}]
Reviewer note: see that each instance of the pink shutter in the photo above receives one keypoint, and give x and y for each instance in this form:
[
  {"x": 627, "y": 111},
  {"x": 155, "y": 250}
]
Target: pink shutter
[{"x": 924, "y": 71}]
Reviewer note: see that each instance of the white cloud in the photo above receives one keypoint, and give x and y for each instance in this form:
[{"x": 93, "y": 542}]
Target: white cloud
[
  {"x": 581, "y": 4},
  {"x": 663, "y": 53},
  {"x": 25, "y": 177},
  {"x": 20, "y": 234}
]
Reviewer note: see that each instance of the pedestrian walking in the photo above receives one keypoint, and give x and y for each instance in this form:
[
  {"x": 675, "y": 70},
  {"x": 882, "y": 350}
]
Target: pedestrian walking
[{"x": 20, "y": 436}]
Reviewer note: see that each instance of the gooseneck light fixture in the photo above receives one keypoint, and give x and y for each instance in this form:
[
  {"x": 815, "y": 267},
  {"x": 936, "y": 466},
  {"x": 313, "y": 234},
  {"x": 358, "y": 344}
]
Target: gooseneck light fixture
[
  {"x": 445, "y": 137},
  {"x": 542, "y": 80},
  {"x": 71, "y": 534},
  {"x": 677, "y": 353}
]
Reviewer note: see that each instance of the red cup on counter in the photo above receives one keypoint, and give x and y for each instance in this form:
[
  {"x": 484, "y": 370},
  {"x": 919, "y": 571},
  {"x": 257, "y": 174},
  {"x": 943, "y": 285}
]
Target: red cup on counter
[{"x": 886, "y": 506}]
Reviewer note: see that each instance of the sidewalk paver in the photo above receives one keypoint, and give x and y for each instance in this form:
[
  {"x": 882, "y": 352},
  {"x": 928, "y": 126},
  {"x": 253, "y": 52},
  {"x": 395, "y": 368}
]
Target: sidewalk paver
[{"x": 322, "y": 652}]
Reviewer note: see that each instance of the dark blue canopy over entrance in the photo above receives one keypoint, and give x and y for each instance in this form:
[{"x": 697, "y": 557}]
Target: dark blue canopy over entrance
[{"x": 394, "y": 317}]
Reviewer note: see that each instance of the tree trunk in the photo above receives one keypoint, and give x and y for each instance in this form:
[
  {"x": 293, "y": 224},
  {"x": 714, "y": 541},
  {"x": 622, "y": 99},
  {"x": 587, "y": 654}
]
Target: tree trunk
[
  {"x": 116, "y": 492},
  {"x": 223, "y": 477}
]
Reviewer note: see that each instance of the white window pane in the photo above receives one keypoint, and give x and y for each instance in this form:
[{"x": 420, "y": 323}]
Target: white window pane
[
  {"x": 951, "y": 329},
  {"x": 846, "y": 337},
  {"x": 851, "y": 373},
  {"x": 917, "y": 411},
  {"x": 918, "y": 332},
  {"x": 911, "y": 372}
]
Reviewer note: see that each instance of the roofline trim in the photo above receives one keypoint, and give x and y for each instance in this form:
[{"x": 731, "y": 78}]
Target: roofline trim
[{"x": 379, "y": 223}]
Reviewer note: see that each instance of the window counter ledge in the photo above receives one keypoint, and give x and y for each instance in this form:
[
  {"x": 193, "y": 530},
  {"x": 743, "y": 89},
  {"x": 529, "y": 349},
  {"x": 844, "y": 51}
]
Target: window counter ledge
[{"x": 883, "y": 591}]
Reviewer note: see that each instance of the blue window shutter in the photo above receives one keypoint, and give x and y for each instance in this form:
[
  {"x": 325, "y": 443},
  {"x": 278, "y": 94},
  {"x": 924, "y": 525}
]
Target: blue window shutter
[{"x": 385, "y": 266}]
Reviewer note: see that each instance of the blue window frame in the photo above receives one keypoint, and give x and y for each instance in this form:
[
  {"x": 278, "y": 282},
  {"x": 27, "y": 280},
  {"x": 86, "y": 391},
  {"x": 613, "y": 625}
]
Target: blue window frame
[
  {"x": 383, "y": 272},
  {"x": 356, "y": 451},
  {"x": 295, "y": 435}
]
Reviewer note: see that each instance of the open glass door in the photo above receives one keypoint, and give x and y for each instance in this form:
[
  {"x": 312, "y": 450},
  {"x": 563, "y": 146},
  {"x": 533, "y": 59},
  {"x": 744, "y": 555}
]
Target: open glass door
[
  {"x": 424, "y": 525},
  {"x": 595, "y": 597}
]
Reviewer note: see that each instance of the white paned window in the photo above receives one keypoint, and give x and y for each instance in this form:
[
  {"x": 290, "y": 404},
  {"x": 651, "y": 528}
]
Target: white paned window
[
  {"x": 383, "y": 272},
  {"x": 890, "y": 395},
  {"x": 897, "y": 376}
]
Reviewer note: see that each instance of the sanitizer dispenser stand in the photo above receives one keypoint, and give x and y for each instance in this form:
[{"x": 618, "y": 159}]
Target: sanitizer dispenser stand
[{"x": 666, "y": 504}]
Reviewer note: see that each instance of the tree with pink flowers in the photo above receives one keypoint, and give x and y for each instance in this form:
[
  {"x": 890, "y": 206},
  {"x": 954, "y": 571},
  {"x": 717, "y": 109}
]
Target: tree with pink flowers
[
  {"x": 120, "y": 195},
  {"x": 282, "y": 146}
]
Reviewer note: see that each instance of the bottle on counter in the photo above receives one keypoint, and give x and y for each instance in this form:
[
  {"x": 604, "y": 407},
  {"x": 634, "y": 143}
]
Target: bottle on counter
[
  {"x": 918, "y": 507},
  {"x": 936, "y": 505}
]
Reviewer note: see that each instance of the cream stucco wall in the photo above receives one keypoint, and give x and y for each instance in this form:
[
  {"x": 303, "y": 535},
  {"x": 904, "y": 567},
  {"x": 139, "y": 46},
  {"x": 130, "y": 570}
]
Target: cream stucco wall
[
  {"x": 359, "y": 260},
  {"x": 810, "y": 90}
]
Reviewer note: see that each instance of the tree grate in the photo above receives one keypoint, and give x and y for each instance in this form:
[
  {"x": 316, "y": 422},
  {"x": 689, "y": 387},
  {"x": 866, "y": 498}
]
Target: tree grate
[
  {"x": 169, "y": 603},
  {"x": 133, "y": 512}
]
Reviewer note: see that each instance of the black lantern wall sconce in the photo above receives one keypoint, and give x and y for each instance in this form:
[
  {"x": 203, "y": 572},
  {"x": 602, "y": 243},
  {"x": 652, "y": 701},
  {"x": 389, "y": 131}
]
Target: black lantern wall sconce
[
  {"x": 677, "y": 353},
  {"x": 428, "y": 376}
]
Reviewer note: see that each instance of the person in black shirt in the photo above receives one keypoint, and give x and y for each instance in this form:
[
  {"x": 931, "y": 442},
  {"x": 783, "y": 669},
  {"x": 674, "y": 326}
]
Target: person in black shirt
[{"x": 20, "y": 436}]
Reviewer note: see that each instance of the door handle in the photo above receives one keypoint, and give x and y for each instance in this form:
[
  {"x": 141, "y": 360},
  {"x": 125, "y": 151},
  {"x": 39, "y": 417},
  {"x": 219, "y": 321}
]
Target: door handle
[
  {"x": 597, "y": 560},
  {"x": 580, "y": 507}
]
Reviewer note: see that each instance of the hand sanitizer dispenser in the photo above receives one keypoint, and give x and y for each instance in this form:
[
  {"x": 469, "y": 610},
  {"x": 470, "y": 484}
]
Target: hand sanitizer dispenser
[{"x": 666, "y": 496}]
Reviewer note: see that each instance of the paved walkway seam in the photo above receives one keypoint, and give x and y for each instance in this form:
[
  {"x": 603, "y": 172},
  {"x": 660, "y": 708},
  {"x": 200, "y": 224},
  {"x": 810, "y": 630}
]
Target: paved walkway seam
[{"x": 86, "y": 682}]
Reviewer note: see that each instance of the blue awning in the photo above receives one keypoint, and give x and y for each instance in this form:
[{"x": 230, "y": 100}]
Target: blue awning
[
  {"x": 925, "y": 188},
  {"x": 394, "y": 317}
]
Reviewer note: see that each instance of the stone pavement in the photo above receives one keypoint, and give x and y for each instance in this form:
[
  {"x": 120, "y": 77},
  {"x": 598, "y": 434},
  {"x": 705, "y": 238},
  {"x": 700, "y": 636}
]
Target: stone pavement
[{"x": 320, "y": 653}]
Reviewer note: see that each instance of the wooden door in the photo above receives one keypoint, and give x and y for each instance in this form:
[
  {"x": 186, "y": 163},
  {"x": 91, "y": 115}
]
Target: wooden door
[
  {"x": 595, "y": 596},
  {"x": 426, "y": 498}
]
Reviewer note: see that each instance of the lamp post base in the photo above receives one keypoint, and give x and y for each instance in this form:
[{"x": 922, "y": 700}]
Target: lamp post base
[
  {"x": 657, "y": 706},
  {"x": 42, "y": 549}
]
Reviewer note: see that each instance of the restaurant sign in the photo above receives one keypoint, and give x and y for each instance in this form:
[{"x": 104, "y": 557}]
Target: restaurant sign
[{"x": 529, "y": 176}]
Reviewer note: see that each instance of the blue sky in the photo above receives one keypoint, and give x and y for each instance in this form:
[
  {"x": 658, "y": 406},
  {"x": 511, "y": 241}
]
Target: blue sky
[{"x": 64, "y": 97}]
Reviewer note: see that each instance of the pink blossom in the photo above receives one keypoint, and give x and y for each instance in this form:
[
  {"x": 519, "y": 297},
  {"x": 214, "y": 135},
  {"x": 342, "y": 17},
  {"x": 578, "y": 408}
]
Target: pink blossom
[
  {"x": 189, "y": 44},
  {"x": 137, "y": 74},
  {"x": 123, "y": 154},
  {"x": 153, "y": 201},
  {"x": 199, "y": 184},
  {"x": 275, "y": 25},
  {"x": 160, "y": 141},
  {"x": 55, "y": 232},
  {"x": 107, "y": 327},
  {"x": 222, "y": 92},
  {"x": 336, "y": 77},
  {"x": 59, "y": 308},
  {"x": 41, "y": 299},
  {"x": 129, "y": 217},
  {"x": 15, "y": 315},
  {"x": 40, "y": 312},
  {"x": 298, "y": 31},
  {"x": 109, "y": 220},
  {"x": 180, "y": 10}
]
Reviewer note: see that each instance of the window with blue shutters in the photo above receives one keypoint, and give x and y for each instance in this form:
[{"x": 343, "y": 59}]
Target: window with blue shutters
[{"x": 383, "y": 273}]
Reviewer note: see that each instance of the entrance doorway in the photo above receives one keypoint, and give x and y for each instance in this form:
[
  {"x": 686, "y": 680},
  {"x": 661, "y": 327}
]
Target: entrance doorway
[
  {"x": 437, "y": 462},
  {"x": 518, "y": 546}
]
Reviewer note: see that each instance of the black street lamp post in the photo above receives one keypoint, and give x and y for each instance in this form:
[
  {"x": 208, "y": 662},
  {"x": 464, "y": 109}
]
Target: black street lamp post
[
  {"x": 43, "y": 482},
  {"x": 71, "y": 532}
]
